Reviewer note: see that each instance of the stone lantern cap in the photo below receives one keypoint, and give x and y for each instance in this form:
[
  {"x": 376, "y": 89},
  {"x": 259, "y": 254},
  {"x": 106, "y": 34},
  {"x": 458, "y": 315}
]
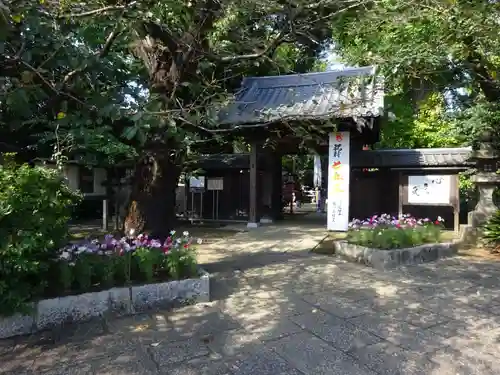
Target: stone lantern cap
[{"x": 486, "y": 148}]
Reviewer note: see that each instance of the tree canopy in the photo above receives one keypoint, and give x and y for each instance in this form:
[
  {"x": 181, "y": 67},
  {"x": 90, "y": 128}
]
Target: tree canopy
[
  {"x": 433, "y": 52},
  {"x": 142, "y": 80}
]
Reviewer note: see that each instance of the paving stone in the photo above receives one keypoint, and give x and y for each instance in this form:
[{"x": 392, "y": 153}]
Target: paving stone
[
  {"x": 418, "y": 316},
  {"x": 338, "y": 332},
  {"x": 449, "y": 329},
  {"x": 136, "y": 362},
  {"x": 453, "y": 308},
  {"x": 196, "y": 366},
  {"x": 167, "y": 353},
  {"x": 234, "y": 344},
  {"x": 264, "y": 362},
  {"x": 451, "y": 362},
  {"x": 82, "y": 369},
  {"x": 199, "y": 320},
  {"x": 312, "y": 355},
  {"x": 338, "y": 306},
  {"x": 388, "y": 359},
  {"x": 399, "y": 333}
]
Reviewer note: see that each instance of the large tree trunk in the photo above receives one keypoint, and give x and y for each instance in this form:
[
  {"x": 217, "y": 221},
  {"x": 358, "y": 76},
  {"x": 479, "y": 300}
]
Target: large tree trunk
[{"x": 153, "y": 199}]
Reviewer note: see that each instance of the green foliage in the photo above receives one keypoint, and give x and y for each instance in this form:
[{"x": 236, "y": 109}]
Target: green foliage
[
  {"x": 491, "y": 230},
  {"x": 428, "y": 126},
  {"x": 484, "y": 116},
  {"x": 449, "y": 49},
  {"x": 148, "y": 263},
  {"x": 82, "y": 271},
  {"x": 35, "y": 207}
]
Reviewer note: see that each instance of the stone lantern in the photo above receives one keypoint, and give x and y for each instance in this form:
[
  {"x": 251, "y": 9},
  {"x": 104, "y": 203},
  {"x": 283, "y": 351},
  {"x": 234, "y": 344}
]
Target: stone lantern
[{"x": 486, "y": 180}]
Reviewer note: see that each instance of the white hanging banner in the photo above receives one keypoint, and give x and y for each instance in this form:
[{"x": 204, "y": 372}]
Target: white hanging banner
[
  {"x": 338, "y": 181},
  {"x": 317, "y": 170}
]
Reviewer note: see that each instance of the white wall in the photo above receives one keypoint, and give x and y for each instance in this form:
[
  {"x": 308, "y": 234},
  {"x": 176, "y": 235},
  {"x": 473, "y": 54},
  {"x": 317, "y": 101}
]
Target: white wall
[
  {"x": 72, "y": 174},
  {"x": 100, "y": 175}
]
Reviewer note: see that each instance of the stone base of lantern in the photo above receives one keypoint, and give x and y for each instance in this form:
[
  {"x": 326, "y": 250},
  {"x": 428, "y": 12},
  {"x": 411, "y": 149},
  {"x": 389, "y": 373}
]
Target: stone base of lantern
[{"x": 486, "y": 183}]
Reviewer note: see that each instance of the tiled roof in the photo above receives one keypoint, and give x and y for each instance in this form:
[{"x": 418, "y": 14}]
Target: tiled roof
[
  {"x": 430, "y": 157},
  {"x": 395, "y": 158},
  {"x": 352, "y": 92}
]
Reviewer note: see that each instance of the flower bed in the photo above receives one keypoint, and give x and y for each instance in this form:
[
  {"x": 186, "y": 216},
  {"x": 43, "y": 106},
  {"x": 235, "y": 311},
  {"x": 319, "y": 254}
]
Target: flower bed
[
  {"x": 389, "y": 232},
  {"x": 385, "y": 241},
  {"x": 119, "y": 276},
  {"x": 113, "y": 262}
]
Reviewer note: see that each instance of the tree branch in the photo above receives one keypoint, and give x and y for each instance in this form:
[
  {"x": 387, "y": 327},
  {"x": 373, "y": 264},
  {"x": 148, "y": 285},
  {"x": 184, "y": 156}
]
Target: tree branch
[
  {"x": 50, "y": 85},
  {"x": 160, "y": 33},
  {"x": 268, "y": 51},
  {"x": 95, "y": 12}
]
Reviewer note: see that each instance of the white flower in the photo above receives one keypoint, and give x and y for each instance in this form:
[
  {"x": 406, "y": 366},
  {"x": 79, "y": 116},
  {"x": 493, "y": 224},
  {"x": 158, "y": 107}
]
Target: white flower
[
  {"x": 185, "y": 233},
  {"x": 178, "y": 240},
  {"x": 172, "y": 232},
  {"x": 65, "y": 255},
  {"x": 81, "y": 249},
  {"x": 131, "y": 231},
  {"x": 199, "y": 241},
  {"x": 440, "y": 218}
]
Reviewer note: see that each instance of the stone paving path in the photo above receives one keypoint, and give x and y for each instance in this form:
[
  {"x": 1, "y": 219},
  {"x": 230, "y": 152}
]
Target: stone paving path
[{"x": 277, "y": 312}]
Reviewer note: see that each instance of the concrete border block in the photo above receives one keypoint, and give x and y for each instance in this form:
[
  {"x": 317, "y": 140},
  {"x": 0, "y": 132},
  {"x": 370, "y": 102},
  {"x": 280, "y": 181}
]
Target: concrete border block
[
  {"x": 17, "y": 324},
  {"x": 383, "y": 259},
  {"x": 126, "y": 300}
]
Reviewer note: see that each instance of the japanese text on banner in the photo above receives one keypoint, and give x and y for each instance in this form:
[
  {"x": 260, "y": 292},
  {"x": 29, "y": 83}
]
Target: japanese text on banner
[{"x": 338, "y": 181}]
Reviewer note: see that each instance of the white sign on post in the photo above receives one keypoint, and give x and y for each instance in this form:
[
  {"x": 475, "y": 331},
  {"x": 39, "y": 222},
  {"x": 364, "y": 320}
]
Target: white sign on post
[
  {"x": 338, "y": 181},
  {"x": 215, "y": 183},
  {"x": 197, "y": 183},
  {"x": 428, "y": 190}
]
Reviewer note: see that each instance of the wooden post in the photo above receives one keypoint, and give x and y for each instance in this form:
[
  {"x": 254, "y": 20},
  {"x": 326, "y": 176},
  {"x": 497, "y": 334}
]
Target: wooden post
[
  {"x": 456, "y": 204},
  {"x": 253, "y": 221},
  {"x": 277, "y": 187},
  {"x": 401, "y": 194},
  {"x": 105, "y": 214},
  {"x": 117, "y": 209}
]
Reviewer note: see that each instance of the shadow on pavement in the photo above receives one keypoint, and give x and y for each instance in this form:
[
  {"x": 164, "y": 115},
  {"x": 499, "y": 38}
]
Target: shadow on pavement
[{"x": 292, "y": 313}]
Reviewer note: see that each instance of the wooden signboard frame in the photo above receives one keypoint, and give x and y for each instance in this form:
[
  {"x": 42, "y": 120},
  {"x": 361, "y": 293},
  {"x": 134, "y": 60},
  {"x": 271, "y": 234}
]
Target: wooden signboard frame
[{"x": 454, "y": 201}]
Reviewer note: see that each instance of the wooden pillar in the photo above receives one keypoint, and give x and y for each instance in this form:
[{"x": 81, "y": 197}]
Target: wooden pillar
[
  {"x": 277, "y": 194},
  {"x": 401, "y": 193},
  {"x": 253, "y": 219},
  {"x": 456, "y": 203}
]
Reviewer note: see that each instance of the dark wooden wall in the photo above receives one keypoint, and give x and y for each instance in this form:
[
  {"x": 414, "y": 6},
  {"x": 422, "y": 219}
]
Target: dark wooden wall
[{"x": 377, "y": 192}]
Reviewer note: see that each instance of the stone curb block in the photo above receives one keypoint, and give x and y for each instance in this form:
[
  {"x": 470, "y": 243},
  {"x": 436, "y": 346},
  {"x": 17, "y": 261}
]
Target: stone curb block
[
  {"x": 119, "y": 301},
  {"x": 385, "y": 259}
]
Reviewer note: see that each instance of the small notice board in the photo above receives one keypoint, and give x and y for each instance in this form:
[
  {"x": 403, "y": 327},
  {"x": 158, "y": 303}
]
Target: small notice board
[
  {"x": 430, "y": 190},
  {"x": 215, "y": 183},
  {"x": 197, "y": 184}
]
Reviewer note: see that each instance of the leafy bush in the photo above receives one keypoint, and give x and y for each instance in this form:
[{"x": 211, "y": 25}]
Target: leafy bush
[
  {"x": 98, "y": 264},
  {"x": 388, "y": 232},
  {"x": 35, "y": 207},
  {"x": 491, "y": 231}
]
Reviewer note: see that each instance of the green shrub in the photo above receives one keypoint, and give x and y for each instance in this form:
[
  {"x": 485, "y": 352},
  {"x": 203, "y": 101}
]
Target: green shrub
[
  {"x": 35, "y": 207},
  {"x": 491, "y": 230}
]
